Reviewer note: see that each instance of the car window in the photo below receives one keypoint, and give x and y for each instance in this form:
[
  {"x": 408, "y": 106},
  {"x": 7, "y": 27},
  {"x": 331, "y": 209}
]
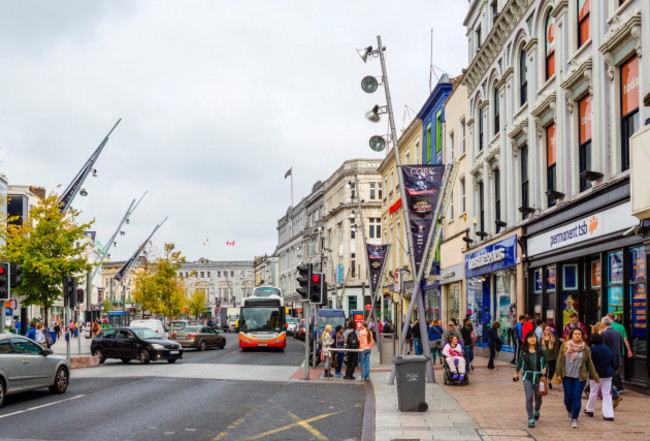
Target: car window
[
  {"x": 191, "y": 329},
  {"x": 108, "y": 333},
  {"x": 210, "y": 331},
  {"x": 23, "y": 346},
  {"x": 145, "y": 333},
  {"x": 5, "y": 347},
  {"x": 123, "y": 335}
]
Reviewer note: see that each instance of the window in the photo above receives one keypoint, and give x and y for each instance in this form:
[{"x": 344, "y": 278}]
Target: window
[
  {"x": 550, "y": 46},
  {"x": 480, "y": 130},
  {"x": 462, "y": 137},
  {"x": 373, "y": 191},
  {"x": 379, "y": 190},
  {"x": 232, "y": 274},
  {"x": 428, "y": 160},
  {"x": 451, "y": 147},
  {"x": 353, "y": 228},
  {"x": 584, "y": 26},
  {"x": 497, "y": 197},
  {"x": 462, "y": 195},
  {"x": 478, "y": 38},
  {"x": 353, "y": 191},
  {"x": 496, "y": 110},
  {"x": 5, "y": 347},
  {"x": 386, "y": 182},
  {"x": 416, "y": 156},
  {"x": 24, "y": 346},
  {"x": 584, "y": 153},
  {"x": 523, "y": 164},
  {"x": 629, "y": 107},
  {"x": 375, "y": 228},
  {"x": 523, "y": 78},
  {"x": 438, "y": 159},
  {"x": 218, "y": 273},
  {"x": 451, "y": 206},
  {"x": 481, "y": 208},
  {"x": 495, "y": 11},
  {"x": 202, "y": 274},
  {"x": 353, "y": 265},
  {"x": 407, "y": 158},
  {"x": 551, "y": 156},
  {"x": 390, "y": 188}
]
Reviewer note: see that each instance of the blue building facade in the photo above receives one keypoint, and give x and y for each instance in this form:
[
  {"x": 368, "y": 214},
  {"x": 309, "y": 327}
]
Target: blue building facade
[{"x": 432, "y": 115}]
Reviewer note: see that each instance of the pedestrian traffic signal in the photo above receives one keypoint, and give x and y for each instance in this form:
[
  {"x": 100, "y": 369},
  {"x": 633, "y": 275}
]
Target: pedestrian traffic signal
[
  {"x": 15, "y": 278},
  {"x": 80, "y": 296},
  {"x": 70, "y": 291},
  {"x": 316, "y": 288},
  {"x": 4, "y": 280},
  {"x": 304, "y": 280}
]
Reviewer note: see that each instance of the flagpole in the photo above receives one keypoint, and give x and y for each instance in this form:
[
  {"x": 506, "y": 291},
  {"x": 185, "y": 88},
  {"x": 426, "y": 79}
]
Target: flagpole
[{"x": 292, "y": 186}]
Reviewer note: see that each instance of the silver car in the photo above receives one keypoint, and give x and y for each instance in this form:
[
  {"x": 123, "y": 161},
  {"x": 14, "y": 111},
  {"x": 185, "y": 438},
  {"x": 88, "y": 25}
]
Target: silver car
[{"x": 25, "y": 365}]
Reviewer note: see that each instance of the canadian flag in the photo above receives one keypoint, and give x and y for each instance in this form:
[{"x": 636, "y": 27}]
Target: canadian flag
[{"x": 230, "y": 243}]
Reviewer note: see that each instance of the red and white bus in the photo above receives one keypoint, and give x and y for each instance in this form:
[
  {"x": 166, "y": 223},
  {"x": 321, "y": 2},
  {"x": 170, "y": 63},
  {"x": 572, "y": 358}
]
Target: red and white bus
[{"x": 262, "y": 320}]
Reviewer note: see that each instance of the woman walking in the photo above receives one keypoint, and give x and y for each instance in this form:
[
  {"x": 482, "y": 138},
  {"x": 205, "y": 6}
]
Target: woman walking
[
  {"x": 435, "y": 340},
  {"x": 339, "y": 342},
  {"x": 327, "y": 344},
  {"x": 574, "y": 365},
  {"x": 534, "y": 362},
  {"x": 365, "y": 343},
  {"x": 494, "y": 343},
  {"x": 549, "y": 343},
  {"x": 603, "y": 359}
]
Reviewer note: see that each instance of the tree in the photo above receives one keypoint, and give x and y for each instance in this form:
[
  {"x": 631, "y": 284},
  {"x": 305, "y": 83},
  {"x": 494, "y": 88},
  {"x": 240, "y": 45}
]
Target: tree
[
  {"x": 48, "y": 246},
  {"x": 145, "y": 291},
  {"x": 107, "y": 305},
  {"x": 169, "y": 287},
  {"x": 196, "y": 305}
]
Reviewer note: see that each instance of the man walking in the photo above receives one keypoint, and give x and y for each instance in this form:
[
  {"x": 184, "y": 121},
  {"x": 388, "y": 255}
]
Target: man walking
[
  {"x": 614, "y": 342},
  {"x": 575, "y": 322},
  {"x": 518, "y": 339},
  {"x": 627, "y": 349}
]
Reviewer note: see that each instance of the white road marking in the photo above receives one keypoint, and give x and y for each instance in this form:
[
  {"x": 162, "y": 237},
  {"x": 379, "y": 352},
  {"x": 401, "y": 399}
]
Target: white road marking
[{"x": 42, "y": 406}]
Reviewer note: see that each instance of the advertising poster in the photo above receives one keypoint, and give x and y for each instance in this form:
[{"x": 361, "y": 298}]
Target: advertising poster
[
  {"x": 550, "y": 278},
  {"x": 376, "y": 259},
  {"x": 639, "y": 310},
  {"x": 537, "y": 275},
  {"x": 637, "y": 264},
  {"x": 615, "y": 300},
  {"x": 569, "y": 306},
  {"x": 422, "y": 183},
  {"x": 615, "y": 267}
]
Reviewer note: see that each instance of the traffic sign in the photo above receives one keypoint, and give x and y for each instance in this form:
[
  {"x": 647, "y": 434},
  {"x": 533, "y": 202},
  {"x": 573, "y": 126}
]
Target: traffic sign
[
  {"x": 11, "y": 304},
  {"x": 397, "y": 278},
  {"x": 368, "y": 307},
  {"x": 9, "y": 311}
]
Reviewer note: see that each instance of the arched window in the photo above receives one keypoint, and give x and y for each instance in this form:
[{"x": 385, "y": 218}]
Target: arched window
[
  {"x": 584, "y": 25},
  {"x": 550, "y": 46},
  {"x": 480, "y": 130},
  {"x": 523, "y": 78},
  {"x": 496, "y": 110}
]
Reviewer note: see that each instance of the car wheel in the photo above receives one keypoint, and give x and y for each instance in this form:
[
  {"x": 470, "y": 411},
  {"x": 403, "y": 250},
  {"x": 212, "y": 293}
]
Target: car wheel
[
  {"x": 99, "y": 354},
  {"x": 2, "y": 392},
  {"x": 144, "y": 356},
  {"x": 172, "y": 360},
  {"x": 61, "y": 380},
  {"x": 202, "y": 345},
  {"x": 126, "y": 360},
  {"x": 223, "y": 344}
]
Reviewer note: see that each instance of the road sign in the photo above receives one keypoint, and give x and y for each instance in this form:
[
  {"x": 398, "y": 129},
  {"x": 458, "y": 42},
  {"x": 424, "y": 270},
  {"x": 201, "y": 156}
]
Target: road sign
[
  {"x": 397, "y": 278},
  {"x": 368, "y": 307},
  {"x": 11, "y": 304},
  {"x": 9, "y": 311}
]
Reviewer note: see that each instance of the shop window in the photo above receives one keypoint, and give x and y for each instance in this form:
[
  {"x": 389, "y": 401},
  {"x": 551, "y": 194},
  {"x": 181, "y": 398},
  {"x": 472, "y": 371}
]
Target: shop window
[
  {"x": 551, "y": 159},
  {"x": 497, "y": 198},
  {"x": 629, "y": 107},
  {"x": 584, "y": 149},
  {"x": 453, "y": 301},
  {"x": 538, "y": 288},
  {"x": 550, "y": 46},
  {"x": 584, "y": 25},
  {"x": 615, "y": 283},
  {"x": 480, "y": 130},
  {"x": 569, "y": 292},
  {"x": 523, "y": 164},
  {"x": 638, "y": 301},
  {"x": 352, "y": 303},
  {"x": 523, "y": 79},
  {"x": 496, "y": 111},
  {"x": 505, "y": 305}
]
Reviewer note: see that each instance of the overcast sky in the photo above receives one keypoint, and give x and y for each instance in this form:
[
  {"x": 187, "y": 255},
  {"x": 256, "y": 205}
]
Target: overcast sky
[{"x": 217, "y": 99}]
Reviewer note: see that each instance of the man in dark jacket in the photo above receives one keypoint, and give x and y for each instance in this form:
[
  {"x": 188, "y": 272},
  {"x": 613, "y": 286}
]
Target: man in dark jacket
[
  {"x": 493, "y": 342},
  {"x": 614, "y": 342}
]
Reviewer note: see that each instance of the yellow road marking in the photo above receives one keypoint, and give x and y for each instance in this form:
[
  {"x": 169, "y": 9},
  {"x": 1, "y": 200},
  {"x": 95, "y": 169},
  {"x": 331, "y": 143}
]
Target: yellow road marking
[
  {"x": 234, "y": 425},
  {"x": 307, "y": 427},
  {"x": 290, "y": 426}
]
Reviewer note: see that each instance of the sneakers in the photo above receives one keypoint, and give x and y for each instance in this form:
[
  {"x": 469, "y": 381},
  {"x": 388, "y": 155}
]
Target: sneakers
[
  {"x": 536, "y": 414},
  {"x": 574, "y": 424},
  {"x": 462, "y": 378},
  {"x": 455, "y": 377},
  {"x": 617, "y": 400},
  {"x": 531, "y": 423},
  {"x": 338, "y": 374},
  {"x": 608, "y": 419},
  {"x": 550, "y": 386},
  {"x": 591, "y": 414}
]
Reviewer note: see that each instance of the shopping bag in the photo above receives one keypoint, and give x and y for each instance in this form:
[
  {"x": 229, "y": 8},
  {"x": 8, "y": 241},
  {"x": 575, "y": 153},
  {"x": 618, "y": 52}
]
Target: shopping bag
[{"x": 543, "y": 386}]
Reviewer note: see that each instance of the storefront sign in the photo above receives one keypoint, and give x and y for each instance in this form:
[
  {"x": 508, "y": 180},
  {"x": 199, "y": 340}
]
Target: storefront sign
[
  {"x": 538, "y": 309},
  {"x": 637, "y": 264},
  {"x": 492, "y": 258},
  {"x": 639, "y": 310},
  {"x": 599, "y": 224}
]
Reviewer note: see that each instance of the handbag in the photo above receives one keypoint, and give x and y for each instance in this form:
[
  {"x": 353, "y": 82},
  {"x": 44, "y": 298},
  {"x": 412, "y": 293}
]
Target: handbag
[
  {"x": 323, "y": 357},
  {"x": 542, "y": 389}
]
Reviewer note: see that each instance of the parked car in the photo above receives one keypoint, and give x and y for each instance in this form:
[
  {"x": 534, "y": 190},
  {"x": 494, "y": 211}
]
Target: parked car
[
  {"x": 25, "y": 366},
  {"x": 200, "y": 337},
  {"x": 153, "y": 324},
  {"x": 142, "y": 344},
  {"x": 177, "y": 325},
  {"x": 292, "y": 325}
]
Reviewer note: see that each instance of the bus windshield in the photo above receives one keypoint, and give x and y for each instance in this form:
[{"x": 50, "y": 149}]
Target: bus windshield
[
  {"x": 265, "y": 291},
  {"x": 261, "y": 319}
]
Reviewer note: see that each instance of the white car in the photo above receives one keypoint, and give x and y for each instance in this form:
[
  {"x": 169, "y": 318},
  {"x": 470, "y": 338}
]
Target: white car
[
  {"x": 25, "y": 366},
  {"x": 153, "y": 324}
]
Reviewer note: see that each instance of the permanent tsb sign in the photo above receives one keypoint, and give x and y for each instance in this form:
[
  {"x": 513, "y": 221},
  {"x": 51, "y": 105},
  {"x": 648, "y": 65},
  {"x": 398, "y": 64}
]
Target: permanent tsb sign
[
  {"x": 492, "y": 258},
  {"x": 599, "y": 224}
]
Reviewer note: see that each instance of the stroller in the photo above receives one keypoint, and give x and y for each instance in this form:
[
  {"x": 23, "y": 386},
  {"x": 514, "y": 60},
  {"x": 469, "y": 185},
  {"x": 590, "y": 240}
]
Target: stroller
[{"x": 448, "y": 374}]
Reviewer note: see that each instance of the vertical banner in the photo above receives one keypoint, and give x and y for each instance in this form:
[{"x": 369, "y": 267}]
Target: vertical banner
[
  {"x": 376, "y": 259},
  {"x": 422, "y": 183}
]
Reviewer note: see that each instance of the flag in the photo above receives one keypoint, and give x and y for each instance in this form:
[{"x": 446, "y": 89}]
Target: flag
[
  {"x": 231, "y": 243},
  {"x": 288, "y": 173},
  {"x": 207, "y": 239}
]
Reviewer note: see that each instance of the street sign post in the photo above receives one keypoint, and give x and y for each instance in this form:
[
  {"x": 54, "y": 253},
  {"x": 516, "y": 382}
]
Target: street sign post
[{"x": 397, "y": 278}]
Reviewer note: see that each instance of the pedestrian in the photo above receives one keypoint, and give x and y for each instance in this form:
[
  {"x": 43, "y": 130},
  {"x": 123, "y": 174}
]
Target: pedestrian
[
  {"x": 409, "y": 337},
  {"x": 603, "y": 360},
  {"x": 528, "y": 326},
  {"x": 40, "y": 335},
  {"x": 573, "y": 323},
  {"x": 327, "y": 344},
  {"x": 339, "y": 342},
  {"x": 351, "y": 342},
  {"x": 494, "y": 343},
  {"x": 627, "y": 350},
  {"x": 366, "y": 342},
  {"x": 417, "y": 337},
  {"x": 32, "y": 330},
  {"x": 453, "y": 351},
  {"x": 435, "y": 333},
  {"x": 574, "y": 365},
  {"x": 534, "y": 363},
  {"x": 614, "y": 342},
  {"x": 539, "y": 328},
  {"x": 468, "y": 341},
  {"x": 550, "y": 345},
  {"x": 518, "y": 339},
  {"x": 450, "y": 332}
]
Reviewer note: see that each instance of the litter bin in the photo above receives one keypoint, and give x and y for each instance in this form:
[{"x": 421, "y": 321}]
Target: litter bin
[
  {"x": 387, "y": 342},
  {"x": 410, "y": 372}
]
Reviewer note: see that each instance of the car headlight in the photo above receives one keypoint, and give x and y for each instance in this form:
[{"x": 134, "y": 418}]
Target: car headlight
[{"x": 157, "y": 346}]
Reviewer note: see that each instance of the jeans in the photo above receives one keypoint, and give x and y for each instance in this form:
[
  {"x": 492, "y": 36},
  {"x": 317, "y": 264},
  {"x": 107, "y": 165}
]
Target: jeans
[
  {"x": 573, "y": 388},
  {"x": 493, "y": 353},
  {"x": 532, "y": 395},
  {"x": 605, "y": 386},
  {"x": 469, "y": 353},
  {"x": 417, "y": 342},
  {"x": 365, "y": 374},
  {"x": 339, "y": 361},
  {"x": 515, "y": 357}
]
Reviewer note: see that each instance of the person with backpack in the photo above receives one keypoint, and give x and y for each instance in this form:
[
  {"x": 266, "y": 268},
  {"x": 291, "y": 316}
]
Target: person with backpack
[
  {"x": 435, "y": 333},
  {"x": 366, "y": 341},
  {"x": 352, "y": 342},
  {"x": 494, "y": 343},
  {"x": 534, "y": 362}
]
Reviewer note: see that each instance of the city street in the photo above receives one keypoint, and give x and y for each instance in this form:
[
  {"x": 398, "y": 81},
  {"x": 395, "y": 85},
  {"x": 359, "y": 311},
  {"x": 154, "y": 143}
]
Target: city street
[{"x": 106, "y": 403}]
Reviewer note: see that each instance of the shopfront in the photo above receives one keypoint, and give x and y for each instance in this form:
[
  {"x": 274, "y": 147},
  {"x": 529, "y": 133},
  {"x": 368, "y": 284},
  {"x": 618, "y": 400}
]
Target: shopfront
[
  {"x": 491, "y": 278},
  {"x": 432, "y": 300},
  {"x": 451, "y": 281},
  {"x": 592, "y": 265}
]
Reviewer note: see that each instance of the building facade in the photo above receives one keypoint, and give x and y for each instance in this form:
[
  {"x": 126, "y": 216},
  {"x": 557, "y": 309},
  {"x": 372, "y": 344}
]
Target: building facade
[{"x": 266, "y": 270}]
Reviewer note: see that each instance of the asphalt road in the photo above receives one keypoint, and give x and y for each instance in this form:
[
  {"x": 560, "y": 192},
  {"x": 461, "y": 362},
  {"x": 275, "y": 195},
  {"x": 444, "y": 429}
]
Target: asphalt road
[{"x": 190, "y": 408}]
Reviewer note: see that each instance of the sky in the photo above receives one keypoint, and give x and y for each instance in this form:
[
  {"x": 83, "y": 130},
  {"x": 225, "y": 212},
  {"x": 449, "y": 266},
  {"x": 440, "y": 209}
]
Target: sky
[{"x": 218, "y": 99}]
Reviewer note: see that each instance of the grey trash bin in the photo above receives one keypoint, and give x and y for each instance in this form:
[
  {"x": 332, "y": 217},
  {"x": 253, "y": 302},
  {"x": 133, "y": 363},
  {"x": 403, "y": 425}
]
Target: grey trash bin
[
  {"x": 387, "y": 342},
  {"x": 410, "y": 372}
]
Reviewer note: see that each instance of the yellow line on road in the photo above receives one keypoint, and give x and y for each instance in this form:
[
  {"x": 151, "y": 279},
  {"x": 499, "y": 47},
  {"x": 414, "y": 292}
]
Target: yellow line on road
[
  {"x": 307, "y": 427},
  {"x": 290, "y": 426},
  {"x": 234, "y": 425}
]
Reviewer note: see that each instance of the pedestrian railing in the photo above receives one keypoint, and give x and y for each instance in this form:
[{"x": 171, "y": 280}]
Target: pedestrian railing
[{"x": 329, "y": 357}]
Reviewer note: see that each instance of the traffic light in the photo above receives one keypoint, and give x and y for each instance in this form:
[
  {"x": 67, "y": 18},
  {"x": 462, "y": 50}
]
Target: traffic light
[
  {"x": 324, "y": 292},
  {"x": 80, "y": 296},
  {"x": 15, "y": 278},
  {"x": 316, "y": 288},
  {"x": 304, "y": 280},
  {"x": 4, "y": 280},
  {"x": 70, "y": 291}
]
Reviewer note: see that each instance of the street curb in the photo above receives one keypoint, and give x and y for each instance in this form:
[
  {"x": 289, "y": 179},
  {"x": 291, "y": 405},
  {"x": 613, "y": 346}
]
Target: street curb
[{"x": 368, "y": 427}]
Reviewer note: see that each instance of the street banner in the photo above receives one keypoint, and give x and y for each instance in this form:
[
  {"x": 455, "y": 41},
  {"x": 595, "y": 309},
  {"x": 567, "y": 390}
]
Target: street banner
[
  {"x": 422, "y": 183},
  {"x": 376, "y": 260}
]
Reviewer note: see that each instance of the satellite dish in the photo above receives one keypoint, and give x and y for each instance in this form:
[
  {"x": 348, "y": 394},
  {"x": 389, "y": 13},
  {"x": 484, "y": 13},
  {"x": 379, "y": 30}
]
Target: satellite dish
[
  {"x": 377, "y": 143},
  {"x": 369, "y": 84}
]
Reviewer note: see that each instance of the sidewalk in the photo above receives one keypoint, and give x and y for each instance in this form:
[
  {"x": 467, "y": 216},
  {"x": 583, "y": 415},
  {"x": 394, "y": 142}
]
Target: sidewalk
[{"x": 60, "y": 346}]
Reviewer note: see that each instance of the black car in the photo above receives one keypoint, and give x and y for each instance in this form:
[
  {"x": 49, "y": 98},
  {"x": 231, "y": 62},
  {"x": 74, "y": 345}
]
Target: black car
[{"x": 141, "y": 344}]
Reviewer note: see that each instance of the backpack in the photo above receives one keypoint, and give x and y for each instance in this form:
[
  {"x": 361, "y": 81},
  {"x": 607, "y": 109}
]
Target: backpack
[
  {"x": 353, "y": 341},
  {"x": 48, "y": 339}
]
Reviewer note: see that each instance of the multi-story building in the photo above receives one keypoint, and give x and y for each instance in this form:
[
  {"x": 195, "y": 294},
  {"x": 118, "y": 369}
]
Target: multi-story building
[
  {"x": 266, "y": 270},
  {"x": 119, "y": 294},
  {"x": 554, "y": 94},
  {"x": 456, "y": 224}
]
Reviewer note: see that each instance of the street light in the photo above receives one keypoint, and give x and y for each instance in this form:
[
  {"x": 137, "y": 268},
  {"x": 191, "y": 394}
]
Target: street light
[
  {"x": 377, "y": 143},
  {"x": 369, "y": 84},
  {"x": 83, "y": 192},
  {"x": 372, "y": 115},
  {"x": 365, "y": 52}
]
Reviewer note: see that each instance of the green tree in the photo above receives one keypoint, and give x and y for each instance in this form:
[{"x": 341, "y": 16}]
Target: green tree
[
  {"x": 107, "y": 306},
  {"x": 196, "y": 304},
  {"x": 169, "y": 287},
  {"x": 48, "y": 246},
  {"x": 145, "y": 293}
]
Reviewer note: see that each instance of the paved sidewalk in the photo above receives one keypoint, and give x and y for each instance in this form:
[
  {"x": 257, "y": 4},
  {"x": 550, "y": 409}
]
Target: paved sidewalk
[{"x": 60, "y": 346}]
